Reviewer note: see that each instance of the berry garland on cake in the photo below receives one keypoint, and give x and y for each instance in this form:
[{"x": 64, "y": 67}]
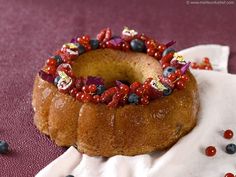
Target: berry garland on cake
[{"x": 58, "y": 70}]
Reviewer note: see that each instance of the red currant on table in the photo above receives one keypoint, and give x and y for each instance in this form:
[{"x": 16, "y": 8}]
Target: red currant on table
[
  {"x": 194, "y": 65},
  {"x": 210, "y": 151},
  {"x": 229, "y": 175},
  {"x": 228, "y": 134}
]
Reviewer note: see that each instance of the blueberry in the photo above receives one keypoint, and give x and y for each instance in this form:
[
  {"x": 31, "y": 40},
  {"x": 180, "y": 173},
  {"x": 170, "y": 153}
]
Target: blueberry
[
  {"x": 69, "y": 176},
  {"x": 133, "y": 98},
  {"x": 168, "y": 70},
  {"x": 137, "y": 45},
  {"x": 167, "y": 91},
  {"x": 56, "y": 80},
  {"x": 81, "y": 48},
  {"x": 94, "y": 43},
  {"x": 100, "y": 89},
  {"x": 230, "y": 148},
  {"x": 58, "y": 58},
  {"x": 3, "y": 147},
  {"x": 168, "y": 50}
]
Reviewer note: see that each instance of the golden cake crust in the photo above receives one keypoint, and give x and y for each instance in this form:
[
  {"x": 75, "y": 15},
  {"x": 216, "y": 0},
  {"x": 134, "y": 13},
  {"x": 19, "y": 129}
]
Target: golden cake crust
[{"x": 128, "y": 130}]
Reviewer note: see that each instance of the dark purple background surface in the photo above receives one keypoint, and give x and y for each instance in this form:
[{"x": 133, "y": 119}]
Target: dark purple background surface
[{"x": 31, "y": 30}]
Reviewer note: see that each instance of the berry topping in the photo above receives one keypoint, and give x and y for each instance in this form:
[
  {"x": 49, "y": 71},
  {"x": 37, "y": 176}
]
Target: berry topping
[
  {"x": 228, "y": 134},
  {"x": 58, "y": 70},
  {"x": 137, "y": 45},
  {"x": 229, "y": 175},
  {"x": 210, "y": 151},
  {"x": 230, "y": 148},
  {"x": 3, "y": 147}
]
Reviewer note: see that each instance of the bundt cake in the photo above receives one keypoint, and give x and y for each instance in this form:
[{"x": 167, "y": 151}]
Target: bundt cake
[{"x": 114, "y": 95}]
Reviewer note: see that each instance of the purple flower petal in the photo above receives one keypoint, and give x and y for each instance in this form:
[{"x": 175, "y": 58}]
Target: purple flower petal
[
  {"x": 94, "y": 80},
  {"x": 115, "y": 41},
  {"x": 47, "y": 77},
  {"x": 185, "y": 68}
]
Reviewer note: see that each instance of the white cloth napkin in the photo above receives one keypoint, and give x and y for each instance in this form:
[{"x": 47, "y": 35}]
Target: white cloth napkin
[{"x": 186, "y": 158}]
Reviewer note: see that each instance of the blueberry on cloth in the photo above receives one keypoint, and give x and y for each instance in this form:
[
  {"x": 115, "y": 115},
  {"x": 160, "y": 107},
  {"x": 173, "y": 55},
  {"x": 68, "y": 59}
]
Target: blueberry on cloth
[
  {"x": 69, "y": 176},
  {"x": 3, "y": 147},
  {"x": 230, "y": 148},
  {"x": 137, "y": 45}
]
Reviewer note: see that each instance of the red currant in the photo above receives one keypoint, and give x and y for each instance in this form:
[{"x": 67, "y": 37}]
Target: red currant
[
  {"x": 180, "y": 84},
  {"x": 194, "y": 65},
  {"x": 51, "y": 62},
  {"x": 178, "y": 73},
  {"x": 139, "y": 91},
  {"x": 184, "y": 78},
  {"x": 228, "y": 134},
  {"x": 134, "y": 86},
  {"x": 164, "y": 65},
  {"x": 86, "y": 97},
  {"x": 229, "y": 175},
  {"x": 206, "y": 60},
  {"x": 150, "y": 51},
  {"x": 85, "y": 89},
  {"x": 167, "y": 58},
  {"x": 86, "y": 38},
  {"x": 208, "y": 67},
  {"x": 144, "y": 100},
  {"x": 124, "y": 88},
  {"x": 92, "y": 88},
  {"x": 51, "y": 69},
  {"x": 73, "y": 92},
  {"x": 157, "y": 55},
  {"x": 78, "y": 96},
  {"x": 172, "y": 77},
  {"x": 210, "y": 151},
  {"x": 161, "y": 47},
  {"x": 96, "y": 99}
]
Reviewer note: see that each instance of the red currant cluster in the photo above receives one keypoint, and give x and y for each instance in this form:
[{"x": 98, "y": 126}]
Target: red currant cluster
[
  {"x": 230, "y": 148},
  {"x": 58, "y": 70},
  {"x": 204, "y": 65}
]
